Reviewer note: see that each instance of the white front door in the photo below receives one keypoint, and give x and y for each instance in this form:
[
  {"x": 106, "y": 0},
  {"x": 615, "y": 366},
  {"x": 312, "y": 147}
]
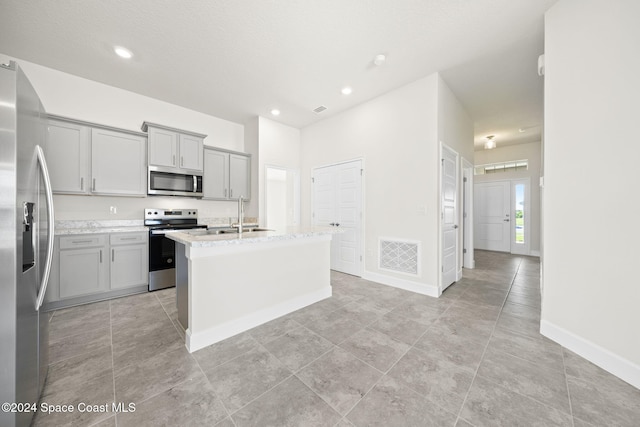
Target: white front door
[
  {"x": 337, "y": 202},
  {"x": 449, "y": 227},
  {"x": 492, "y": 216}
]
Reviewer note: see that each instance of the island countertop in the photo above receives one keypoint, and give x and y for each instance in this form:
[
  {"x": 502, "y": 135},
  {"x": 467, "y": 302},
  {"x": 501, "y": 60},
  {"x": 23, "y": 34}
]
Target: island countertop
[
  {"x": 200, "y": 239},
  {"x": 228, "y": 283}
]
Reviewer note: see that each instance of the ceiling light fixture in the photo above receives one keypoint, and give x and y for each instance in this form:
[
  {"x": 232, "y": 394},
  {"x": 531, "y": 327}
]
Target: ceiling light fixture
[
  {"x": 490, "y": 144},
  {"x": 379, "y": 59},
  {"x": 346, "y": 90},
  {"x": 526, "y": 128},
  {"x": 122, "y": 52},
  {"x": 275, "y": 112}
]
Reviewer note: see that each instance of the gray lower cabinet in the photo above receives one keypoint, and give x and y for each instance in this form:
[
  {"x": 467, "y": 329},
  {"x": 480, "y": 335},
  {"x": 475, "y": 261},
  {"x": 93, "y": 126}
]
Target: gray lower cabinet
[
  {"x": 129, "y": 260},
  {"x": 94, "y": 267},
  {"x": 83, "y": 265}
]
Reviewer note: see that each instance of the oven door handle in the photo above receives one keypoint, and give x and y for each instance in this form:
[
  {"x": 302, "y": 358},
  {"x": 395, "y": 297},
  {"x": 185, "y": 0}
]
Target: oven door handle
[
  {"x": 163, "y": 232},
  {"x": 195, "y": 184}
]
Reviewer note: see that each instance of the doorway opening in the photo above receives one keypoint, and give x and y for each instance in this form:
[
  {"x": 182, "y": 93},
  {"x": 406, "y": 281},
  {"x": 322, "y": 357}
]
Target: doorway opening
[{"x": 282, "y": 197}]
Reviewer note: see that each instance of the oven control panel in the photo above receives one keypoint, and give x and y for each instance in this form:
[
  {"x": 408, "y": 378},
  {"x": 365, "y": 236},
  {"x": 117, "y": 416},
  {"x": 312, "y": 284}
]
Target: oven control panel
[{"x": 154, "y": 214}]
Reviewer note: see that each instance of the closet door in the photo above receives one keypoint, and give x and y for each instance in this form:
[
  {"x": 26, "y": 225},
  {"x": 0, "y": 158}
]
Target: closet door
[{"x": 338, "y": 203}]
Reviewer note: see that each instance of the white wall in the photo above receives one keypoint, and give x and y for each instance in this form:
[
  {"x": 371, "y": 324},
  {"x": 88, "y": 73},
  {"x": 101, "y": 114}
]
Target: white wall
[
  {"x": 397, "y": 136},
  {"x": 591, "y": 294},
  {"x": 71, "y": 96},
  {"x": 531, "y": 152},
  {"x": 279, "y": 145}
]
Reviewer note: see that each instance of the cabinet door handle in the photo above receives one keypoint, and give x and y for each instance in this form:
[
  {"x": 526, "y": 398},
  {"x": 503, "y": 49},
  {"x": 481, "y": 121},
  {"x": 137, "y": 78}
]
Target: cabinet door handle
[
  {"x": 81, "y": 241},
  {"x": 181, "y": 161},
  {"x": 100, "y": 256},
  {"x": 81, "y": 183},
  {"x": 128, "y": 238},
  {"x": 94, "y": 185},
  {"x": 231, "y": 192},
  {"x": 173, "y": 160},
  {"x": 113, "y": 255},
  {"x": 225, "y": 192}
]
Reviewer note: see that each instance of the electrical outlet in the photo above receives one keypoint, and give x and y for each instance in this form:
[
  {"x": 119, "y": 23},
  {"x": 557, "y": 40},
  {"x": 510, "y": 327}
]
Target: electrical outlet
[{"x": 113, "y": 210}]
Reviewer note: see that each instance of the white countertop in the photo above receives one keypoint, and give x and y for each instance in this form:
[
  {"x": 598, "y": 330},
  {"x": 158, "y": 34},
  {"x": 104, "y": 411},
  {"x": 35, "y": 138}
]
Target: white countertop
[
  {"x": 199, "y": 240},
  {"x": 67, "y": 227}
]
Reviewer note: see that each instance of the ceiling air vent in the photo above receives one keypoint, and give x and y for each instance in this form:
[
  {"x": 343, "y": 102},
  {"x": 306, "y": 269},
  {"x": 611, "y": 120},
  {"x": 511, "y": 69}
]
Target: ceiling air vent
[{"x": 319, "y": 109}]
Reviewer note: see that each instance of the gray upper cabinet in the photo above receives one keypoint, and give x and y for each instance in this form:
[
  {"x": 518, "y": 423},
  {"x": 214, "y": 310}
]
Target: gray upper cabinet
[
  {"x": 118, "y": 165},
  {"x": 163, "y": 147},
  {"x": 175, "y": 149},
  {"x": 226, "y": 175},
  {"x": 216, "y": 174},
  {"x": 87, "y": 158},
  {"x": 68, "y": 157},
  {"x": 239, "y": 172},
  {"x": 191, "y": 153}
]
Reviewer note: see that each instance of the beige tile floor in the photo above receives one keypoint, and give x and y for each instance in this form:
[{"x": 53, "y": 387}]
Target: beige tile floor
[{"x": 370, "y": 355}]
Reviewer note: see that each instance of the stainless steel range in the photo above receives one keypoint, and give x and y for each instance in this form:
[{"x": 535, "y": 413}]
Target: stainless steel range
[{"x": 162, "y": 250}]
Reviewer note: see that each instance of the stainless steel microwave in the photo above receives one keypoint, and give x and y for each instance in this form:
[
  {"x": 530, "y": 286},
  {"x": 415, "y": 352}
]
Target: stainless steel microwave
[{"x": 169, "y": 183}]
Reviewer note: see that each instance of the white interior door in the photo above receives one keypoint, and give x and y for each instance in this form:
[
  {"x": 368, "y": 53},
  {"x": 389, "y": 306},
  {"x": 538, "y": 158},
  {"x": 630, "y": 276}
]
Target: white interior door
[
  {"x": 468, "y": 260},
  {"x": 449, "y": 227},
  {"x": 492, "y": 216},
  {"x": 338, "y": 203}
]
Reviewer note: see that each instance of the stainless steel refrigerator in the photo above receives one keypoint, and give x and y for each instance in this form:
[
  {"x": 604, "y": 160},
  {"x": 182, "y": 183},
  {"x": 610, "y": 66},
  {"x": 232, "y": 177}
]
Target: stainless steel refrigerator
[{"x": 26, "y": 245}]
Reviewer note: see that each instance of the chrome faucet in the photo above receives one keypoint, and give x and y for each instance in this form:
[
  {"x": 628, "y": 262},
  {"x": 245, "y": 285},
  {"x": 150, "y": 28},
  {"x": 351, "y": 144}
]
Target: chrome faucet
[{"x": 240, "y": 213}]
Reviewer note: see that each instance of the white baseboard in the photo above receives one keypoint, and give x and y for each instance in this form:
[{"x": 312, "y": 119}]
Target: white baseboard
[
  {"x": 221, "y": 332},
  {"x": 610, "y": 362},
  {"x": 408, "y": 285},
  {"x": 459, "y": 275},
  {"x": 534, "y": 253}
]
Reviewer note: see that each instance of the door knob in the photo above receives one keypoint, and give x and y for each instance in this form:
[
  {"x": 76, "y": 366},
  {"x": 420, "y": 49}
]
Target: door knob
[
  {"x": 332, "y": 224},
  {"x": 455, "y": 226},
  {"x": 337, "y": 224},
  {"x": 506, "y": 220}
]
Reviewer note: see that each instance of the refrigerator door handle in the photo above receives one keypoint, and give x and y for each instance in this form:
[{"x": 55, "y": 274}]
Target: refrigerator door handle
[{"x": 51, "y": 225}]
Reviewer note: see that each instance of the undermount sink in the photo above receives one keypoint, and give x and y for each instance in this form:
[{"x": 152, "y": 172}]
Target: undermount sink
[
  {"x": 216, "y": 231},
  {"x": 222, "y": 230}
]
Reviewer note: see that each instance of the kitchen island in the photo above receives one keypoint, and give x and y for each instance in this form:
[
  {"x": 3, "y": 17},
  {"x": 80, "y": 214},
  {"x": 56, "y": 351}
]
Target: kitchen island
[{"x": 229, "y": 283}]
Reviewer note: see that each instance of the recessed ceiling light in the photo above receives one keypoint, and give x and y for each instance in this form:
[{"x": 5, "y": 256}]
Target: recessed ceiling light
[
  {"x": 275, "y": 112},
  {"x": 379, "y": 59},
  {"x": 346, "y": 90},
  {"x": 122, "y": 52}
]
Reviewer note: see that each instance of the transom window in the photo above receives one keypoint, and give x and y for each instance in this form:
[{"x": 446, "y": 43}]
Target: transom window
[{"x": 510, "y": 166}]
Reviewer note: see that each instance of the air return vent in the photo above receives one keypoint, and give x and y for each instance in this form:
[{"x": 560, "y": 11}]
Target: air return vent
[
  {"x": 399, "y": 255},
  {"x": 319, "y": 109}
]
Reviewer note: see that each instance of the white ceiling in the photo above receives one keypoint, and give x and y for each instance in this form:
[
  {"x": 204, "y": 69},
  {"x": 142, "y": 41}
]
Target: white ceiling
[{"x": 236, "y": 59}]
